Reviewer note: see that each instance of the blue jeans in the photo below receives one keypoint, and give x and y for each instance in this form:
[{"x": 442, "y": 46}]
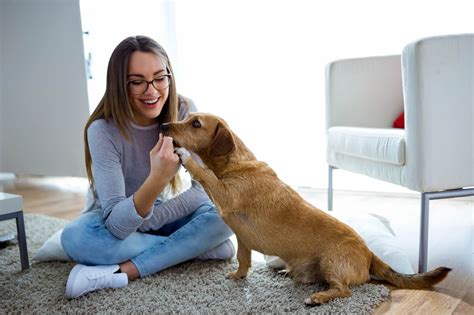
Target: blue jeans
[{"x": 86, "y": 240}]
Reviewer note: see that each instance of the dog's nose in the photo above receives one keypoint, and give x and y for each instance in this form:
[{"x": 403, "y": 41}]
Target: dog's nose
[{"x": 164, "y": 127}]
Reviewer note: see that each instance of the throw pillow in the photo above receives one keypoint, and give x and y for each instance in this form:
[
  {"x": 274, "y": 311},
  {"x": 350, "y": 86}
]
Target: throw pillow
[{"x": 400, "y": 121}]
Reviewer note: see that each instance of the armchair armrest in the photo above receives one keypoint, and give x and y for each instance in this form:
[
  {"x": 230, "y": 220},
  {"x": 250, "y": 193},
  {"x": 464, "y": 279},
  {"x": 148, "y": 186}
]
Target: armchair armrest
[
  {"x": 439, "y": 107},
  {"x": 364, "y": 92}
]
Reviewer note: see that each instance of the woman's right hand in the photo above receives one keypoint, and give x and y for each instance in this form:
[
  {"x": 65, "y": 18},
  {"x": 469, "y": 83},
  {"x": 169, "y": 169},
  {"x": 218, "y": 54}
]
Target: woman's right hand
[{"x": 164, "y": 162}]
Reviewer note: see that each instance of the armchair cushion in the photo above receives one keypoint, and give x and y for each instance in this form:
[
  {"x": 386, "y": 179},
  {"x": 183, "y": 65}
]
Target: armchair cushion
[{"x": 375, "y": 144}]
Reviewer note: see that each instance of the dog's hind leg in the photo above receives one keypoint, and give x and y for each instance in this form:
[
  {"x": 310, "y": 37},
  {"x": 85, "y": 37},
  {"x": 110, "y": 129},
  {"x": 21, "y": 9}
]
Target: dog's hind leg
[
  {"x": 336, "y": 289},
  {"x": 339, "y": 273},
  {"x": 244, "y": 256}
]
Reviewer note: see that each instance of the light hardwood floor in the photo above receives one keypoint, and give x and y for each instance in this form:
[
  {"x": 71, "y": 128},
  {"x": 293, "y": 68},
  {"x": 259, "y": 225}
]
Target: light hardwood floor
[{"x": 451, "y": 234}]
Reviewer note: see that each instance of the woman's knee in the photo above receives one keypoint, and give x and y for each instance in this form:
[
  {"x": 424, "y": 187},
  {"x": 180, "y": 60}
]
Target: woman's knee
[
  {"x": 78, "y": 237},
  {"x": 70, "y": 239}
]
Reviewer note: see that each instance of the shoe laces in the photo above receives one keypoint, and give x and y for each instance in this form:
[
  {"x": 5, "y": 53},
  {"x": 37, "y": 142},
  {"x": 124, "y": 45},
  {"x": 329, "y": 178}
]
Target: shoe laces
[{"x": 106, "y": 281}]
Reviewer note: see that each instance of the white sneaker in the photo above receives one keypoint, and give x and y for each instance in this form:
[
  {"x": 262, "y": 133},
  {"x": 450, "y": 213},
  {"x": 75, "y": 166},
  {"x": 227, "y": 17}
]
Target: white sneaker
[
  {"x": 84, "y": 279},
  {"x": 222, "y": 251}
]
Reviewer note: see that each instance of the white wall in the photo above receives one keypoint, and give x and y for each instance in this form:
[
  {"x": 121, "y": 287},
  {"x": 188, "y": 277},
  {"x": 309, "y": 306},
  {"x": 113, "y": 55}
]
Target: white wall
[
  {"x": 261, "y": 64},
  {"x": 107, "y": 30},
  {"x": 44, "y": 103}
]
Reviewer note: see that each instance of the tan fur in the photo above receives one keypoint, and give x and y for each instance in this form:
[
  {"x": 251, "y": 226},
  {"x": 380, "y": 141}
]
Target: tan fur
[{"x": 270, "y": 217}]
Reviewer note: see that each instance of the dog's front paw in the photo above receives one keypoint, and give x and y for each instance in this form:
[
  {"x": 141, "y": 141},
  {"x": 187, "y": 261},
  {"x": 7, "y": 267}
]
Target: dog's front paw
[
  {"x": 183, "y": 154},
  {"x": 235, "y": 275}
]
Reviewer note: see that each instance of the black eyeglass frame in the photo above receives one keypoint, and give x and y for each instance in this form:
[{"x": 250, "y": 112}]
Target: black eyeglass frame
[{"x": 148, "y": 84}]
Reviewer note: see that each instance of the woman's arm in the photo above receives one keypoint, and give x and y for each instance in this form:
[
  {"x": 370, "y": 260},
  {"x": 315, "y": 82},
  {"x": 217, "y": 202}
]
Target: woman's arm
[
  {"x": 186, "y": 202},
  {"x": 123, "y": 215},
  {"x": 120, "y": 215},
  {"x": 164, "y": 165}
]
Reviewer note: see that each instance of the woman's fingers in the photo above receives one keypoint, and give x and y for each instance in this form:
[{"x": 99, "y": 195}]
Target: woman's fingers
[
  {"x": 167, "y": 144},
  {"x": 167, "y": 150},
  {"x": 159, "y": 144}
]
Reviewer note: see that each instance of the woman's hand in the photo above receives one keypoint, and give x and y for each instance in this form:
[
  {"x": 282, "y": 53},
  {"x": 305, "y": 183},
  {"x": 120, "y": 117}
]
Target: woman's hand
[{"x": 164, "y": 162}]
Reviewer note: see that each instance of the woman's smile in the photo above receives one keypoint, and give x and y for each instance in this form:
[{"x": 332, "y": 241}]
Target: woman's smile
[{"x": 150, "y": 102}]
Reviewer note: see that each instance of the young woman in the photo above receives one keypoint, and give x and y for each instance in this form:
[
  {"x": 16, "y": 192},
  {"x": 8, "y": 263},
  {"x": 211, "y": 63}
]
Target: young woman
[{"x": 130, "y": 228}]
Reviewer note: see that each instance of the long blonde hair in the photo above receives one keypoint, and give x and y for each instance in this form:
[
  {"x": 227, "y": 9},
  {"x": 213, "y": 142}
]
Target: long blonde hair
[{"x": 116, "y": 104}]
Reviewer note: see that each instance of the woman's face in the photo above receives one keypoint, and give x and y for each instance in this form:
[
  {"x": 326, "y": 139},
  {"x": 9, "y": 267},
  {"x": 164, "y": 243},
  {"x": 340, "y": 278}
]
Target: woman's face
[{"x": 148, "y": 103}]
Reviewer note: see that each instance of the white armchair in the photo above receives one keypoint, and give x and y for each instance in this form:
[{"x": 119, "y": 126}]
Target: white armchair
[{"x": 432, "y": 82}]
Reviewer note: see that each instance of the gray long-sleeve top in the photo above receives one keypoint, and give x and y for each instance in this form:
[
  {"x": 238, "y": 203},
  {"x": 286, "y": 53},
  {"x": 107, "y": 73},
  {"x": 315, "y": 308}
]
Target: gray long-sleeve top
[{"x": 120, "y": 168}]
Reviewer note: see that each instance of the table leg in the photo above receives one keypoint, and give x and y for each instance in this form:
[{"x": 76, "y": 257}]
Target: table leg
[{"x": 20, "y": 226}]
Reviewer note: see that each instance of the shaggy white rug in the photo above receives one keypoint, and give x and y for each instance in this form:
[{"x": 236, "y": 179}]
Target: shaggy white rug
[{"x": 192, "y": 287}]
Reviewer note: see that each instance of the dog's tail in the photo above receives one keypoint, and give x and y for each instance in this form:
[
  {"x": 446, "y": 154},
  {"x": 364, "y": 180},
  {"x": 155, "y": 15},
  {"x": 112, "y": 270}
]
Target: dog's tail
[{"x": 428, "y": 279}]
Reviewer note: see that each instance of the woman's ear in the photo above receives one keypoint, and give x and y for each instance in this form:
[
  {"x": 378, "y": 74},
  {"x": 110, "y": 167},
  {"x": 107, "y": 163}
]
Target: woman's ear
[{"x": 223, "y": 142}]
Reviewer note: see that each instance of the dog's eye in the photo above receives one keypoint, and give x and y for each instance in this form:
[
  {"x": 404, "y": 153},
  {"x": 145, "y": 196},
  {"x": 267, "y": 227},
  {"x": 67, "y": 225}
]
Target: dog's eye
[{"x": 196, "y": 124}]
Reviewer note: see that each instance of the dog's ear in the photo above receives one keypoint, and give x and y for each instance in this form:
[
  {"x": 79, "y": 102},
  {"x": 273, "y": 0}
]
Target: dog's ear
[{"x": 223, "y": 142}]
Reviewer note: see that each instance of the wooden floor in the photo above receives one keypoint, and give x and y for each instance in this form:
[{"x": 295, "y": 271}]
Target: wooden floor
[{"x": 451, "y": 234}]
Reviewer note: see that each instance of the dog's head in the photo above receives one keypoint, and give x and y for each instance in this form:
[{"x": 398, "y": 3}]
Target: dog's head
[{"x": 201, "y": 133}]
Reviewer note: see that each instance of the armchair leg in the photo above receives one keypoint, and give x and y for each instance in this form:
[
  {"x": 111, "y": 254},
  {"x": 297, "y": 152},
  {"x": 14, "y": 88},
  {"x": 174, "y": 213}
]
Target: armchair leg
[
  {"x": 425, "y": 200},
  {"x": 330, "y": 188},
  {"x": 424, "y": 221}
]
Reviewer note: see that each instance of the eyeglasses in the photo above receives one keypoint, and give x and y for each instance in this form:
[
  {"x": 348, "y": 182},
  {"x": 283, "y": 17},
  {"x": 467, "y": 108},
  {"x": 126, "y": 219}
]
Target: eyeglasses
[{"x": 140, "y": 86}]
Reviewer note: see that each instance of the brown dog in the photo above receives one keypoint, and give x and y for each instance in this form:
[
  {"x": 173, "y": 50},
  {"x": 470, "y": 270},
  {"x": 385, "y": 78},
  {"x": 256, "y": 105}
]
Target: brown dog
[{"x": 270, "y": 217}]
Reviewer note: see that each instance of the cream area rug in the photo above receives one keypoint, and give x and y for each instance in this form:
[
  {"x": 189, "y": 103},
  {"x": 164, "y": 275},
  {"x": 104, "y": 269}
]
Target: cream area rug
[{"x": 191, "y": 287}]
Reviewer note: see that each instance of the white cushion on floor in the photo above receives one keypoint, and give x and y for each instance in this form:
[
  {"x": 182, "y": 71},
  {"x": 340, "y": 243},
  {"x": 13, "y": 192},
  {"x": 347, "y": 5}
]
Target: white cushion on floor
[
  {"x": 52, "y": 249},
  {"x": 379, "y": 237}
]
